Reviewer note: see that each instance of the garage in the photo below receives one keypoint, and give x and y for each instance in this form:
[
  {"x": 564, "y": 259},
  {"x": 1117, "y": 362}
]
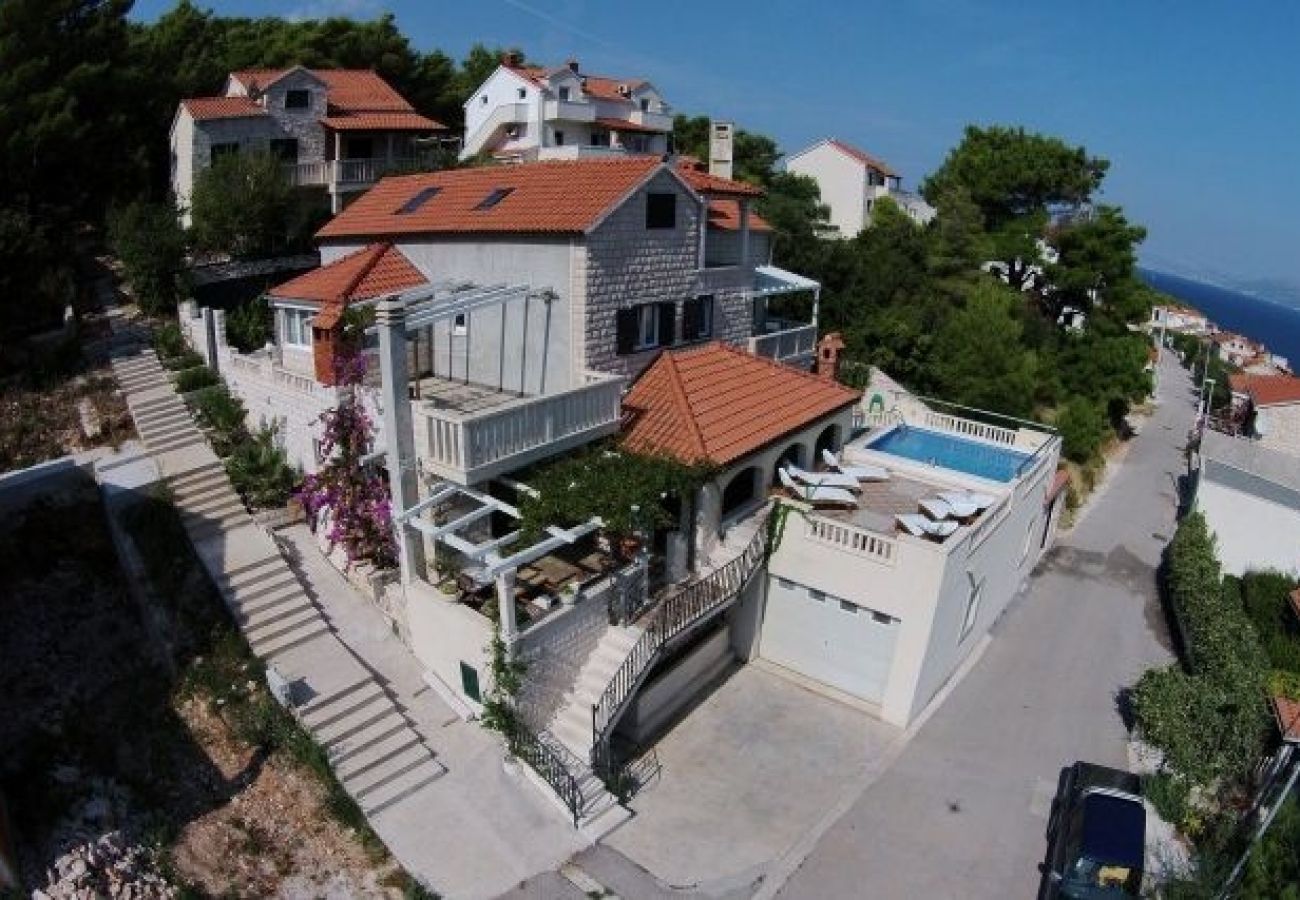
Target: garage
[{"x": 820, "y": 636}]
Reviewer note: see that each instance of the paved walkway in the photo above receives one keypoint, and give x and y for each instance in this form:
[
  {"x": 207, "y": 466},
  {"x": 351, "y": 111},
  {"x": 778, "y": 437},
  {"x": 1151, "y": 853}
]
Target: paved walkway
[
  {"x": 473, "y": 833},
  {"x": 963, "y": 812}
]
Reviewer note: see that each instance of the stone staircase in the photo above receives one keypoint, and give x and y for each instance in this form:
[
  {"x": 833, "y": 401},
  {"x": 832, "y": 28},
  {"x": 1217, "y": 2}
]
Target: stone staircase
[{"x": 571, "y": 724}]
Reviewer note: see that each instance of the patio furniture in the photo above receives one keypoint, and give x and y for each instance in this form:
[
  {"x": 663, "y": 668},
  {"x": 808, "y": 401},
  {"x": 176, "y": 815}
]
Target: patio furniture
[
  {"x": 918, "y": 525},
  {"x": 961, "y": 506},
  {"x": 556, "y": 572},
  {"x": 981, "y": 502},
  {"x": 861, "y": 472},
  {"x": 935, "y": 508},
  {"x": 816, "y": 494},
  {"x": 822, "y": 479}
]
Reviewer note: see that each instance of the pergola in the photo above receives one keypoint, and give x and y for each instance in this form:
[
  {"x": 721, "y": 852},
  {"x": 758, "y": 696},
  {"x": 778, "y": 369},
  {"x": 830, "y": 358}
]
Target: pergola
[{"x": 492, "y": 565}]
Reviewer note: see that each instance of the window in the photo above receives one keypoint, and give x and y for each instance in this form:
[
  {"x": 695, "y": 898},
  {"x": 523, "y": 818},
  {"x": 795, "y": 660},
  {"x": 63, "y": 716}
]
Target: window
[
  {"x": 297, "y": 99},
  {"x": 645, "y": 327},
  {"x": 522, "y": 93},
  {"x": 645, "y": 104},
  {"x": 483, "y": 100},
  {"x": 972, "y": 607},
  {"x": 492, "y": 199},
  {"x": 816, "y": 595},
  {"x": 285, "y": 149},
  {"x": 661, "y": 211},
  {"x": 846, "y": 606},
  {"x": 469, "y": 682},
  {"x": 636, "y": 143},
  {"x": 296, "y": 329},
  {"x": 559, "y": 138},
  {"x": 460, "y": 325},
  {"x": 786, "y": 583},
  {"x": 221, "y": 150},
  {"x": 600, "y": 139},
  {"x": 882, "y": 619},
  {"x": 697, "y": 318},
  {"x": 421, "y": 197},
  {"x": 564, "y": 93},
  {"x": 359, "y": 148}
]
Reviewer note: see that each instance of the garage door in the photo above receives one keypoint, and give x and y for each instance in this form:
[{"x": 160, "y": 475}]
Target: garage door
[{"x": 827, "y": 639}]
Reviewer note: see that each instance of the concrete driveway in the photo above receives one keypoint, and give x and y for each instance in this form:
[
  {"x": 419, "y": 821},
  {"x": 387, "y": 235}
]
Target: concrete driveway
[
  {"x": 963, "y": 812},
  {"x": 748, "y": 773}
]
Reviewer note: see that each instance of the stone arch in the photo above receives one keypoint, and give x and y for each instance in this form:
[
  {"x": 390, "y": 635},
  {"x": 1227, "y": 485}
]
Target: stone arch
[{"x": 742, "y": 489}]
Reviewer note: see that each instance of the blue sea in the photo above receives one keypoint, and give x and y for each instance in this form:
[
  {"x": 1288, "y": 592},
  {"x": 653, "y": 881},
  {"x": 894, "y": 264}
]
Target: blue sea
[{"x": 1275, "y": 324}]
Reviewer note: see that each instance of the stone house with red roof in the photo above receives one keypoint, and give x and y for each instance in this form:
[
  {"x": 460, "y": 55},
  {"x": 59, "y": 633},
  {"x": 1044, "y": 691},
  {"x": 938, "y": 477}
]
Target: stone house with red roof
[
  {"x": 337, "y": 129},
  {"x": 851, "y": 181},
  {"x": 528, "y": 112},
  {"x": 1271, "y": 404}
]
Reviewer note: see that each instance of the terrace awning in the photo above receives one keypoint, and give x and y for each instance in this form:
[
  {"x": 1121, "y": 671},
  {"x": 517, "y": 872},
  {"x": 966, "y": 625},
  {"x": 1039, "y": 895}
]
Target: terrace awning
[{"x": 769, "y": 280}]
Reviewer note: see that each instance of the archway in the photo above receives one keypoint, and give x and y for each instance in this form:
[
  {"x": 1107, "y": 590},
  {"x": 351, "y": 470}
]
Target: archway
[
  {"x": 741, "y": 490},
  {"x": 792, "y": 455},
  {"x": 829, "y": 439}
]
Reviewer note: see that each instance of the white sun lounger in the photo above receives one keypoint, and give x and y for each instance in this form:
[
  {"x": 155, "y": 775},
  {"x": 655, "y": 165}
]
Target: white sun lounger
[
  {"x": 935, "y": 508},
  {"x": 816, "y": 494},
  {"x": 860, "y": 472},
  {"x": 918, "y": 525},
  {"x": 981, "y": 502},
  {"x": 960, "y": 504},
  {"x": 822, "y": 479}
]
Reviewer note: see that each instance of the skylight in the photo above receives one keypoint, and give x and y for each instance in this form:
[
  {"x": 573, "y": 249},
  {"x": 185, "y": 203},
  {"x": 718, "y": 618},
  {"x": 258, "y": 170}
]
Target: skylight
[
  {"x": 423, "y": 196},
  {"x": 492, "y": 199}
]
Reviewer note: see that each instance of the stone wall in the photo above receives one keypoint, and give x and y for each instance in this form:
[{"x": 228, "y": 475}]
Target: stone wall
[{"x": 1283, "y": 429}]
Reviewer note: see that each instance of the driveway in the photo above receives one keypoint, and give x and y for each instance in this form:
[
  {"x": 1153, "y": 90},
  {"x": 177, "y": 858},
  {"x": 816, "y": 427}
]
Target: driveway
[
  {"x": 755, "y": 766},
  {"x": 962, "y": 813}
]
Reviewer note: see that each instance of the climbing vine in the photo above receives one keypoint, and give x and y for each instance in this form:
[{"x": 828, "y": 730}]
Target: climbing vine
[{"x": 500, "y": 711}]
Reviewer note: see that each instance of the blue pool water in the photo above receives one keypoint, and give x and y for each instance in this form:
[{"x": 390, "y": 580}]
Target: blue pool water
[{"x": 950, "y": 452}]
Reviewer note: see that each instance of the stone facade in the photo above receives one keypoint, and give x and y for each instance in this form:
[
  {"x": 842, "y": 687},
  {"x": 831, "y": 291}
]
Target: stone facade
[{"x": 1283, "y": 428}]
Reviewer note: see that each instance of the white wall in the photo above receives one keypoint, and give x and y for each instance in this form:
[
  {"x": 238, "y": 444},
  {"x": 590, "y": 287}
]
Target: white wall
[
  {"x": 1283, "y": 428},
  {"x": 444, "y": 634},
  {"x": 842, "y": 182},
  {"x": 501, "y": 87},
  {"x": 182, "y": 161},
  {"x": 1251, "y": 533}
]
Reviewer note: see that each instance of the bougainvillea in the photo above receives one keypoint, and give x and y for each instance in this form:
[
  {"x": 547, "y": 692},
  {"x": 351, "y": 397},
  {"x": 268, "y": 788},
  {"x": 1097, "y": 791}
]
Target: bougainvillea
[{"x": 347, "y": 497}]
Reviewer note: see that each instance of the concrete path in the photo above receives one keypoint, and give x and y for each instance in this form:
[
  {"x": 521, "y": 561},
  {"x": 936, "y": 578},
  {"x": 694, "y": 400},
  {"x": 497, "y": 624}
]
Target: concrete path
[{"x": 963, "y": 812}]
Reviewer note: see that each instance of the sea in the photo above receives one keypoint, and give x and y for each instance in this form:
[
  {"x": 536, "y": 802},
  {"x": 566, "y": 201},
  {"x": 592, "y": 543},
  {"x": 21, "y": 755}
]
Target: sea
[{"x": 1271, "y": 322}]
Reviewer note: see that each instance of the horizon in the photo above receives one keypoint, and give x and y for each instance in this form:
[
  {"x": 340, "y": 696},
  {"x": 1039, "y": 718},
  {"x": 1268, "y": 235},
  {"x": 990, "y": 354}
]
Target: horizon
[{"x": 1164, "y": 109}]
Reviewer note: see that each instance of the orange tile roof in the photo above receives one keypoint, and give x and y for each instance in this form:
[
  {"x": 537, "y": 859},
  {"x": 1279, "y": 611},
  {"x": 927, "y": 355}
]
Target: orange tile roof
[
  {"x": 717, "y": 403},
  {"x": 370, "y": 272},
  {"x": 602, "y": 87},
  {"x": 546, "y": 197},
  {"x": 206, "y": 108},
  {"x": 725, "y": 216},
  {"x": 349, "y": 91},
  {"x": 705, "y": 183},
  {"x": 629, "y": 125},
  {"x": 1267, "y": 390},
  {"x": 863, "y": 157},
  {"x": 1288, "y": 718},
  {"x": 381, "y": 121}
]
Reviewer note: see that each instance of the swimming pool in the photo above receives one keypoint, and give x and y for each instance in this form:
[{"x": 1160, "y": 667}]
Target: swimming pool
[{"x": 951, "y": 452}]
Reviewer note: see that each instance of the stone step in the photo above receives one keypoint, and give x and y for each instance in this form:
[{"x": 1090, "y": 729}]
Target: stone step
[
  {"x": 267, "y": 582},
  {"x": 414, "y": 756},
  {"x": 212, "y": 506},
  {"x": 247, "y": 573},
  {"x": 284, "y": 593},
  {"x": 198, "y": 472},
  {"x": 317, "y": 704},
  {"x": 344, "y": 705},
  {"x": 163, "y": 434},
  {"x": 310, "y": 632},
  {"x": 622, "y": 639},
  {"x": 377, "y": 753},
  {"x": 199, "y": 492},
  {"x": 161, "y": 415},
  {"x": 355, "y": 745},
  {"x": 281, "y": 612},
  {"x": 180, "y": 443},
  {"x": 137, "y": 364},
  {"x": 216, "y": 520},
  {"x": 358, "y": 720},
  {"x": 197, "y": 487},
  {"x": 574, "y": 732},
  {"x": 268, "y": 629},
  {"x": 401, "y": 788}
]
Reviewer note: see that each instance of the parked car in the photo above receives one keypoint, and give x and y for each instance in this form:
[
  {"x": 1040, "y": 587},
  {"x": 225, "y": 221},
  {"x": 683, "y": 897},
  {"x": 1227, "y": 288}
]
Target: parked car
[{"x": 1097, "y": 835}]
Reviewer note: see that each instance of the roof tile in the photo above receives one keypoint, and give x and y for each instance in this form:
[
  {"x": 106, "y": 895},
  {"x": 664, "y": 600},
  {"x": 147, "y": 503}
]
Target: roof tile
[
  {"x": 863, "y": 157},
  {"x": 370, "y": 272},
  {"x": 208, "y": 108},
  {"x": 1267, "y": 390}
]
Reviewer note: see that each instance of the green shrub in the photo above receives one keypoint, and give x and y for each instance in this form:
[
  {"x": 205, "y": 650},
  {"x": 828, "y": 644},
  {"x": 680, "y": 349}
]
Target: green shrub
[
  {"x": 1083, "y": 427},
  {"x": 194, "y": 378},
  {"x": 1168, "y": 794},
  {"x": 248, "y": 326},
  {"x": 259, "y": 468},
  {"x": 168, "y": 340},
  {"x": 221, "y": 412},
  {"x": 1264, "y": 597},
  {"x": 148, "y": 239},
  {"x": 186, "y": 359}
]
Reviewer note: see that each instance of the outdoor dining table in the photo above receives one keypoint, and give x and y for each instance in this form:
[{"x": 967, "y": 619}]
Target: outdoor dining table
[{"x": 557, "y": 572}]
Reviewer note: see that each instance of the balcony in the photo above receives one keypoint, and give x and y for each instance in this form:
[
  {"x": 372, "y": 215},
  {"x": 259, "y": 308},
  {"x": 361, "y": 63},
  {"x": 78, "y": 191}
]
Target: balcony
[
  {"x": 336, "y": 173},
  {"x": 657, "y": 120},
  {"x": 468, "y": 433},
  {"x": 580, "y": 151},
  {"x": 788, "y": 342},
  {"x": 568, "y": 111}
]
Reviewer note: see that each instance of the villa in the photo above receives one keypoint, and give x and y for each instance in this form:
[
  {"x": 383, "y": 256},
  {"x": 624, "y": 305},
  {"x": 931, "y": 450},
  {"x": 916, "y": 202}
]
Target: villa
[
  {"x": 851, "y": 181},
  {"x": 525, "y": 113},
  {"x": 336, "y": 129}
]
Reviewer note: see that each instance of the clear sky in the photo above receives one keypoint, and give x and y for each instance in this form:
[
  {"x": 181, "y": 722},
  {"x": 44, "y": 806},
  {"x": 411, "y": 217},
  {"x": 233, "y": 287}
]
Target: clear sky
[{"x": 1196, "y": 103}]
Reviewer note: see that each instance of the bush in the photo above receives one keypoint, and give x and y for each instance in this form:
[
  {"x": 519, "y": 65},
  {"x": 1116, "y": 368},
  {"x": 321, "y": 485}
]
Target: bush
[
  {"x": 1264, "y": 597},
  {"x": 222, "y": 412},
  {"x": 1168, "y": 794},
  {"x": 149, "y": 241},
  {"x": 248, "y": 326},
  {"x": 1082, "y": 425},
  {"x": 243, "y": 205},
  {"x": 168, "y": 341},
  {"x": 194, "y": 378},
  {"x": 187, "y": 359},
  {"x": 260, "y": 470}
]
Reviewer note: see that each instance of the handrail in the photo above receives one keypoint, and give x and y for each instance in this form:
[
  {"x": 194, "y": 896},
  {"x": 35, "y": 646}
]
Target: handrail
[
  {"x": 673, "y": 616},
  {"x": 548, "y": 764}
]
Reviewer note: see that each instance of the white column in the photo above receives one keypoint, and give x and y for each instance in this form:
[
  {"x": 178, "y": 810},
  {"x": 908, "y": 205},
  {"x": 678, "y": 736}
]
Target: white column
[
  {"x": 390, "y": 316},
  {"x": 744, "y": 234},
  {"x": 506, "y": 607}
]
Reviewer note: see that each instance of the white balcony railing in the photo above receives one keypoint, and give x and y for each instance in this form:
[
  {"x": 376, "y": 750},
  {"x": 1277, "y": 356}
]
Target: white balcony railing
[
  {"x": 304, "y": 174},
  {"x": 471, "y": 447},
  {"x": 788, "y": 344},
  {"x": 851, "y": 539},
  {"x": 333, "y": 172},
  {"x": 657, "y": 120},
  {"x": 568, "y": 111},
  {"x": 969, "y": 428}
]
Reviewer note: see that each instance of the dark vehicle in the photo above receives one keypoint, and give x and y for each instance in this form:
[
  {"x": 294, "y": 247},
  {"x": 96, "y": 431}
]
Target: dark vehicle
[{"x": 1097, "y": 835}]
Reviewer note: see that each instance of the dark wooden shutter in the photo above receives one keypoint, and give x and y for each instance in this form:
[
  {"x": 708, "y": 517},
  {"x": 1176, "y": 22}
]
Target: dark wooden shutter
[
  {"x": 691, "y": 319},
  {"x": 626, "y": 331},
  {"x": 667, "y": 324}
]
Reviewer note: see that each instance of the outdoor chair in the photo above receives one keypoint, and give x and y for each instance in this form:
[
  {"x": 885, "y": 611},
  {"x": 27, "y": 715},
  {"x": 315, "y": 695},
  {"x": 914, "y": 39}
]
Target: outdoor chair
[
  {"x": 822, "y": 479},
  {"x": 918, "y": 525},
  {"x": 981, "y": 502},
  {"x": 935, "y": 508},
  {"x": 860, "y": 472},
  {"x": 816, "y": 494}
]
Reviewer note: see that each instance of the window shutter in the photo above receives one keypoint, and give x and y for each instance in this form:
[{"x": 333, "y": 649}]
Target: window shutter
[
  {"x": 626, "y": 331},
  {"x": 691, "y": 319},
  {"x": 667, "y": 323}
]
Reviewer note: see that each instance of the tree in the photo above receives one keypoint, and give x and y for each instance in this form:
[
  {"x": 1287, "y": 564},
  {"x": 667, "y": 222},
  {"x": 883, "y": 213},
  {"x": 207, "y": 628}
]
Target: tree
[
  {"x": 978, "y": 358},
  {"x": 1097, "y": 256},
  {"x": 754, "y": 156},
  {"x": 151, "y": 246},
  {"x": 243, "y": 205},
  {"x": 1082, "y": 425}
]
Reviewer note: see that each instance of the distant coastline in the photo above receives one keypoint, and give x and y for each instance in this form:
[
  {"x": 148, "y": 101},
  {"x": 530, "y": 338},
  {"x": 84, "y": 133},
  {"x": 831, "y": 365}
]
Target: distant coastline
[{"x": 1273, "y": 322}]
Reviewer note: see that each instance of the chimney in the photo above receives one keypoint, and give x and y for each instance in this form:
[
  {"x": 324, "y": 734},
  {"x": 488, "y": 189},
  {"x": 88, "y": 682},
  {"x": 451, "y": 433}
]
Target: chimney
[
  {"x": 510, "y": 58},
  {"x": 325, "y": 352},
  {"x": 573, "y": 66},
  {"x": 828, "y": 356}
]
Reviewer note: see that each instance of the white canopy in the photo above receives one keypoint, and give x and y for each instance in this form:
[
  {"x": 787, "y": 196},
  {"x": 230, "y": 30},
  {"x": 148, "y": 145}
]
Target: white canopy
[{"x": 770, "y": 280}]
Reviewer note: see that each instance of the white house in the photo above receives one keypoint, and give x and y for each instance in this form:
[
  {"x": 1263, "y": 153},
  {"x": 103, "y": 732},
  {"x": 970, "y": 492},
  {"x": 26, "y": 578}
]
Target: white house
[
  {"x": 1182, "y": 319},
  {"x": 1250, "y": 496},
  {"x": 526, "y": 112},
  {"x": 1274, "y": 409},
  {"x": 851, "y": 181},
  {"x": 338, "y": 129}
]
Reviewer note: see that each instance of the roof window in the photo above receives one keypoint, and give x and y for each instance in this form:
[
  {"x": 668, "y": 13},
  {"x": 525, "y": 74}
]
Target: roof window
[
  {"x": 492, "y": 199},
  {"x": 423, "y": 196}
]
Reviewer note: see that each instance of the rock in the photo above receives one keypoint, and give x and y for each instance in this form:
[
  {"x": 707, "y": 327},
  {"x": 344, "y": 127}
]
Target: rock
[{"x": 91, "y": 423}]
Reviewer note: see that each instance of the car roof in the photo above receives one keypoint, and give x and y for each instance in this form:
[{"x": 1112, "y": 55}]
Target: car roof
[{"x": 1114, "y": 830}]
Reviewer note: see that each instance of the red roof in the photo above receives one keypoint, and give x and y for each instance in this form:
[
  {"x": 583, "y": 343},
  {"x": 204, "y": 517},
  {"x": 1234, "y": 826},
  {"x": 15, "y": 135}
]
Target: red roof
[
  {"x": 601, "y": 87},
  {"x": 370, "y": 272},
  {"x": 1059, "y": 482},
  {"x": 381, "y": 121},
  {"x": 705, "y": 183},
  {"x": 1288, "y": 718},
  {"x": 206, "y": 108},
  {"x": 717, "y": 403},
  {"x": 1267, "y": 390},
  {"x": 628, "y": 125},
  {"x": 349, "y": 92},
  {"x": 863, "y": 157},
  {"x": 725, "y": 216}
]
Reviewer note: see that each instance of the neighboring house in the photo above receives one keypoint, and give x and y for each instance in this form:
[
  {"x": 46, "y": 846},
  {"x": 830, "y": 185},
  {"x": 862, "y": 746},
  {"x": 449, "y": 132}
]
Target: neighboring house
[
  {"x": 339, "y": 129},
  {"x": 1182, "y": 319},
  {"x": 524, "y": 112},
  {"x": 1270, "y": 407},
  {"x": 851, "y": 181},
  {"x": 1237, "y": 350},
  {"x": 1250, "y": 496}
]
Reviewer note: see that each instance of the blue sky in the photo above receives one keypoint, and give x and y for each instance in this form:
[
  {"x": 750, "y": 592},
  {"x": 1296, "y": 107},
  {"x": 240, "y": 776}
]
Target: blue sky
[{"x": 1194, "y": 102}]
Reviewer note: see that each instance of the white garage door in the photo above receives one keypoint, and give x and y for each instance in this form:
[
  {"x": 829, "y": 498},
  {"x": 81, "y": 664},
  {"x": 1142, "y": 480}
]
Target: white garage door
[{"x": 832, "y": 641}]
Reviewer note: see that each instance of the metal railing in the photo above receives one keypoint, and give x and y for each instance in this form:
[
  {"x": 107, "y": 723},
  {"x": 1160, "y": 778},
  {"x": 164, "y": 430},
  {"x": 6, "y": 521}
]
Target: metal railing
[
  {"x": 548, "y": 764},
  {"x": 790, "y": 343},
  {"x": 671, "y": 618}
]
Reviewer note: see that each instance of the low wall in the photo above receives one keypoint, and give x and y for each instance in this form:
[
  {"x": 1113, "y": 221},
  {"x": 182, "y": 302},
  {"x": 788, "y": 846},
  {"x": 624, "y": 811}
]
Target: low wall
[
  {"x": 555, "y": 650},
  {"x": 655, "y": 705},
  {"x": 445, "y": 634}
]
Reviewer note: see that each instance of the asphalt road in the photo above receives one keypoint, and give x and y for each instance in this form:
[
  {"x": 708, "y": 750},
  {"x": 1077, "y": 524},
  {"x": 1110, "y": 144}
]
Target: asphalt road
[{"x": 962, "y": 812}]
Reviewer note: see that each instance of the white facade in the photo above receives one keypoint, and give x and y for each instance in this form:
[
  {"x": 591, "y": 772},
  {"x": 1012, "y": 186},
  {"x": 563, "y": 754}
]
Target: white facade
[
  {"x": 850, "y": 184},
  {"x": 530, "y": 113},
  {"x": 1250, "y": 496}
]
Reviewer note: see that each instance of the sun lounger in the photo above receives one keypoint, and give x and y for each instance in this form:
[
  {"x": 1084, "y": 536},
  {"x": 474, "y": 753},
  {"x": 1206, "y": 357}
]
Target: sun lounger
[
  {"x": 981, "y": 502},
  {"x": 822, "y": 479},
  {"x": 935, "y": 508},
  {"x": 816, "y": 494},
  {"x": 918, "y": 525},
  {"x": 961, "y": 505},
  {"x": 860, "y": 472}
]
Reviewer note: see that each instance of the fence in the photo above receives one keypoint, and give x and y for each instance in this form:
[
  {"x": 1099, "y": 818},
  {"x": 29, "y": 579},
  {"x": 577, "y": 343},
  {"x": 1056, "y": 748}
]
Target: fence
[
  {"x": 548, "y": 764},
  {"x": 850, "y": 539}
]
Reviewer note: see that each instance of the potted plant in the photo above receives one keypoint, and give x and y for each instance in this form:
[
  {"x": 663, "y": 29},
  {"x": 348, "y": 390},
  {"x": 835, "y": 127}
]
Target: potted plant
[{"x": 569, "y": 594}]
